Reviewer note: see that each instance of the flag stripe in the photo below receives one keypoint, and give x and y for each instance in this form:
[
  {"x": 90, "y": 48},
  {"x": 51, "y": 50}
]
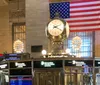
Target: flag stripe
[
  {"x": 81, "y": 30},
  {"x": 84, "y": 15},
  {"x": 86, "y": 3},
  {"x": 88, "y": 25},
  {"x": 85, "y": 20},
  {"x": 77, "y": 11},
  {"x": 81, "y": 18},
  {"x": 85, "y": 8},
  {"x": 81, "y": 23},
  {"x": 77, "y": 6}
]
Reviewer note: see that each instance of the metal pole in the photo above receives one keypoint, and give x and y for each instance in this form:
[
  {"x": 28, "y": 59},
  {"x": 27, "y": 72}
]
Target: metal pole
[{"x": 94, "y": 77}]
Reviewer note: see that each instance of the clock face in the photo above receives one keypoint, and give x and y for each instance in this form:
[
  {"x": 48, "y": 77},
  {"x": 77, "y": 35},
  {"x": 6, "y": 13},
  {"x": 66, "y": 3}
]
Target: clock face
[{"x": 55, "y": 27}]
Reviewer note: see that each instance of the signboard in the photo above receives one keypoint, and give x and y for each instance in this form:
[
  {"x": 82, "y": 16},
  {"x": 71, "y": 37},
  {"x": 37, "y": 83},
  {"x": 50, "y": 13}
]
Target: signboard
[
  {"x": 20, "y": 68},
  {"x": 78, "y": 63},
  {"x": 12, "y": 56},
  {"x": 22, "y": 64},
  {"x": 4, "y": 66},
  {"x": 48, "y": 64},
  {"x": 20, "y": 80},
  {"x": 97, "y": 63}
]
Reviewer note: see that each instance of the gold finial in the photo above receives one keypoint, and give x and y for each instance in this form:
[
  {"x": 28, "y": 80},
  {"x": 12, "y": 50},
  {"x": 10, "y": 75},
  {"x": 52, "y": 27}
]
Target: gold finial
[{"x": 57, "y": 15}]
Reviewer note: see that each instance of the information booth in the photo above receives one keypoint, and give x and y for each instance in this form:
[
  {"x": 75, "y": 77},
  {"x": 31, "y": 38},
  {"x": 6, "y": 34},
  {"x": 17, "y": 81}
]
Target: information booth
[
  {"x": 63, "y": 71},
  {"x": 51, "y": 71},
  {"x": 20, "y": 72},
  {"x": 48, "y": 72}
]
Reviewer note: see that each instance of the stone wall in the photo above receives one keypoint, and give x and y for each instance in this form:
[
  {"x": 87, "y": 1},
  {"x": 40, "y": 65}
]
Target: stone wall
[
  {"x": 5, "y": 31},
  {"x": 37, "y": 16},
  {"x": 97, "y": 44}
]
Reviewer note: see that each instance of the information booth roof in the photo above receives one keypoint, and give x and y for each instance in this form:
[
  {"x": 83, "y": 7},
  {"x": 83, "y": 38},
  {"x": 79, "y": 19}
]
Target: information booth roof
[{"x": 63, "y": 58}]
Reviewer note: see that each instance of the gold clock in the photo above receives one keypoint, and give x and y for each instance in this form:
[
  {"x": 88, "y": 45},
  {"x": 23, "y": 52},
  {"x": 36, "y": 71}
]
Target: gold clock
[{"x": 55, "y": 27}]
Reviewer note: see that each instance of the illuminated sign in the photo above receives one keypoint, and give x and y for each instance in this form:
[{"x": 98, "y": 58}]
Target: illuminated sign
[
  {"x": 20, "y": 80},
  {"x": 97, "y": 63},
  {"x": 3, "y": 66},
  {"x": 47, "y": 64},
  {"x": 76, "y": 43},
  {"x": 18, "y": 46},
  {"x": 20, "y": 65},
  {"x": 80, "y": 63},
  {"x": 12, "y": 56}
]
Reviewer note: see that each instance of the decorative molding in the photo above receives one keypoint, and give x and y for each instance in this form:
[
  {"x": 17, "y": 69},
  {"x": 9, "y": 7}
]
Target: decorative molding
[
  {"x": 16, "y": 14},
  {"x": 6, "y": 2},
  {"x": 3, "y": 2}
]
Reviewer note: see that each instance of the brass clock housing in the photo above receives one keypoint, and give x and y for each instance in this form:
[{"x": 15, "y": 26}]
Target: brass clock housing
[{"x": 57, "y": 29}]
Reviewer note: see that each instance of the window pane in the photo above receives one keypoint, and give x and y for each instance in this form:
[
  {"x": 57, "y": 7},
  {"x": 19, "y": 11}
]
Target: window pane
[{"x": 86, "y": 46}]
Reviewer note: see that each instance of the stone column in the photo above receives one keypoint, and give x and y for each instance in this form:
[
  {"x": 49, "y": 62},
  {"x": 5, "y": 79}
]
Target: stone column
[{"x": 37, "y": 17}]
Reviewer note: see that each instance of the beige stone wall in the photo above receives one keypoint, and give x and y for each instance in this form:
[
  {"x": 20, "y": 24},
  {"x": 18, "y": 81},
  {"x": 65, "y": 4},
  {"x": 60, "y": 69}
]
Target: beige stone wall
[
  {"x": 37, "y": 16},
  {"x": 97, "y": 44},
  {"x": 5, "y": 31}
]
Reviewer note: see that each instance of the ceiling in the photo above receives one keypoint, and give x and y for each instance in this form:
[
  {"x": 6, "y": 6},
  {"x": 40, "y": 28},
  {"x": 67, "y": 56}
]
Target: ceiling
[{"x": 3, "y": 2}]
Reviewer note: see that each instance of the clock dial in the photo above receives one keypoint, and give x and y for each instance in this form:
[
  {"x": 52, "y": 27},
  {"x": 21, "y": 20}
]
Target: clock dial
[{"x": 55, "y": 27}]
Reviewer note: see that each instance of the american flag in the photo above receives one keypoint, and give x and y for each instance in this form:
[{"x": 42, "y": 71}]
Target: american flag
[{"x": 82, "y": 15}]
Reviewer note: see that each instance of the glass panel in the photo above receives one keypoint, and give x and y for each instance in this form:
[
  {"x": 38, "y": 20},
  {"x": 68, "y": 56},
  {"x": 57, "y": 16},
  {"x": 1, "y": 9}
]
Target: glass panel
[
  {"x": 86, "y": 46},
  {"x": 77, "y": 76}
]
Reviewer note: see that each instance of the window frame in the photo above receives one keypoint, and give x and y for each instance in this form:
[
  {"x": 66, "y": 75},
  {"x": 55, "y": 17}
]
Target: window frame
[{"x": 13, "y": 33}]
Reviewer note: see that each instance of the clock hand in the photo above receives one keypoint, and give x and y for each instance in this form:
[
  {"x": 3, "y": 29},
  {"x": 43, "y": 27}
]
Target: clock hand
[
  {"x": 58, "y": 25},
  {"x": 55, "y": 26},
  {"x": 59, "y": 29}
]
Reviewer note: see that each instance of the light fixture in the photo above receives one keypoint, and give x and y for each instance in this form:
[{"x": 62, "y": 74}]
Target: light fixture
[
  {"x": 74, "y": 62},
  {"x": 18, "y": 46},
  {"x": 68, "y": 51},
  {"x": 44, "y": 52},
  {"x": 76, "y": 43}
]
